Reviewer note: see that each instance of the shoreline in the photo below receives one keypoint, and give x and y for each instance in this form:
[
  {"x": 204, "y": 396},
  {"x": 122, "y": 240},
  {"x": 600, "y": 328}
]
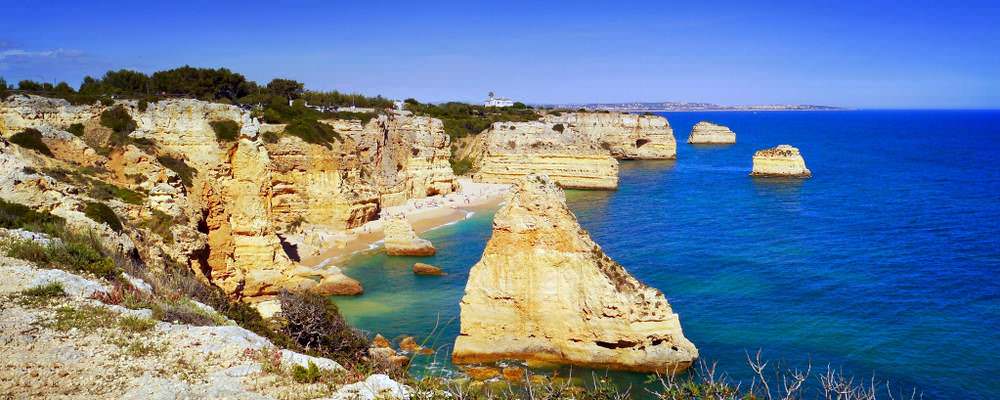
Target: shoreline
[{"x": 424, "y": 214}]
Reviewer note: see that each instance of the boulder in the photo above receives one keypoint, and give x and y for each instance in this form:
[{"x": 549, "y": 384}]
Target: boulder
[
  {"x": 426, "y": 269},
  {"x": 706, "y": 132},
  {"x": 545, "y": 292},
  {"x": 780, "y": 161},
  {"x": 401, "y": 240}
]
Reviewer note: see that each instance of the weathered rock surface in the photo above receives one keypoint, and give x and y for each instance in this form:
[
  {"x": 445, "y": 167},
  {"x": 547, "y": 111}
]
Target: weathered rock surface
[
  {"x": 426, "y": 269},
  {"x": 706, "y": 132},
  {"x": 401, "y": 240},
  {"x": 782, "y": 160},
  {"x": 544, "y": 291},
  {"x": 577, "y": 150}
]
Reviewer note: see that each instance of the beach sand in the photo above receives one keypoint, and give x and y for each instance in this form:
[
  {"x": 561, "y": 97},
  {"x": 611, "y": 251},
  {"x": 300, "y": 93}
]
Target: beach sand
[{"x": 424, "y": 214}]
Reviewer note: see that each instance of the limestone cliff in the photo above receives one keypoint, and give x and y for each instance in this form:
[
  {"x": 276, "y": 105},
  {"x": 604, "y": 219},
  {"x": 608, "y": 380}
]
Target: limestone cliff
[
  {"x": 782, "y": 160},
  {"x": 544, "y": 291},
  {"x": 706, "y": 132},
  {"x": 577, "y": 150},
  {"x": 227, "y": 214}
]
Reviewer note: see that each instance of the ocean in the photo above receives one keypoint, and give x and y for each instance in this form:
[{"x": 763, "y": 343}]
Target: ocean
[{"x": 884, "y": 264}]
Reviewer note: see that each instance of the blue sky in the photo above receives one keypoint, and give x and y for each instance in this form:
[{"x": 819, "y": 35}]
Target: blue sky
[{"x": 872, "y": 54}]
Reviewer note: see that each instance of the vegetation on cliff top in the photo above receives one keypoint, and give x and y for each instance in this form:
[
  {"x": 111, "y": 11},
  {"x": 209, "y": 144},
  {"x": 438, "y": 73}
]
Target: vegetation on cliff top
[
  {"x": 461, "y": 119},
  {"x": 225, "y": 130}
]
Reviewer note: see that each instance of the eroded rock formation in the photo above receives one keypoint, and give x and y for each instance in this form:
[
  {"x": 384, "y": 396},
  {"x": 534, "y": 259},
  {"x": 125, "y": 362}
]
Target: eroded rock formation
[
  {"x": 544, "y": 291},
  {"x": 225, "y": 208},
  {"x": 401, "y": 240},
  {"x": 577, "y": 150},
  {"x": 706, "y": 132},
  {"x": 782, "y": 160}
]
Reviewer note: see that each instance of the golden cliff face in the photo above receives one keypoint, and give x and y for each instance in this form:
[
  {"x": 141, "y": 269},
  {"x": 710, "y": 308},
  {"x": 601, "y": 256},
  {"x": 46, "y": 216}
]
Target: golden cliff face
[
  {"x": 226, "y": 222},
  {"x": 782, "y": 160},
  {"x": 577, "y": 150},
  {"x": 545, "y": 292},
  {"x": 401, "y": 240}
]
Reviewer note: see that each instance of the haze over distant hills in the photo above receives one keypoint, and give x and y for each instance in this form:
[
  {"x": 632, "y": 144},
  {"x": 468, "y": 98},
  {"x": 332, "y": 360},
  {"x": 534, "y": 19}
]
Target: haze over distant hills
[{"x": 686, "y": 106}]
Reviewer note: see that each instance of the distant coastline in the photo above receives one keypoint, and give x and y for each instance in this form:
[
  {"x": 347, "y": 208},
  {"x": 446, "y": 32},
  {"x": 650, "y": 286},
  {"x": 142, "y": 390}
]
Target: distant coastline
[{"x": 672, "y": 106}]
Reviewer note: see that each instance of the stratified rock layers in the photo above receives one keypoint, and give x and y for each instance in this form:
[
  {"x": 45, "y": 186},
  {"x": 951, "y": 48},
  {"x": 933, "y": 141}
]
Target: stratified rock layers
[
  {"x": 706, "y": 132},
  {"x": 401, "y": 240},
  {"x": 544, "y": 291},
  {"x": 577, "y": 150},
  {"x": 782, "y": 160}
]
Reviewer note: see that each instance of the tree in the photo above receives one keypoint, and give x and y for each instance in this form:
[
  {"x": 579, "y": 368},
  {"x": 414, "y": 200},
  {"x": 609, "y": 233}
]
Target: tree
[
  {"x": 287, "y": 88},
  {"x": 29, "y": 85}
]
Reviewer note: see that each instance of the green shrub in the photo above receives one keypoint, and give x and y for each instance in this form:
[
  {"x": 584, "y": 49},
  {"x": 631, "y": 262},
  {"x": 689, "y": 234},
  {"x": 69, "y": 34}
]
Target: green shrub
[
  {"x": 27, "y": 250},
  {"x": 184, "y": 313},
  {"x": 78, "y": 256},
  {"x": 106, "y": 191},
  {"x": 133, "y": 324},
  {"x": 364, "y": 117},
  {"x": 271, "y": 137},
  {"x": 159, "y": 223},
  {"x": 461, "y": 167},
  {"x": 225, "y": 130},
  {"x": 143, "y": 105},
  {"x": 31, "y": 139},
  {"x": 101, "y": 213},
  {"x": 121, "y": 125},
  {"x": 15, "y": 216},
  {"x": 184, "y": 171},
  {"x": 87, "y": 318},
  {"x": 42, "y": 294},
  {"x": 558, "y": 128},
  {"x": 309, "y": 374},
  {"x": 312, "y": 131},
  {"x": 76, "y": 129}
]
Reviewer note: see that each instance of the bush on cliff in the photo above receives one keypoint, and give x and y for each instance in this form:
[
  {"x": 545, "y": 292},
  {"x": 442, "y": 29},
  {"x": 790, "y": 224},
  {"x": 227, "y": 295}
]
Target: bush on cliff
[
  {"x": 461, "y": 119},
  {"x": 76, "y": 129},
  {"x": 106, "y": 191},
  {"x": 315, "y": 323},
  {"x": 461, "y": 167},
  {"x": 31, "y": 139},
  {"x": 4, "y": 91},
  {"x": 18, "y": 216},
  {"x": 184, "y": 171},
  {"x": 101, "y": 213},
  {"x": 225, "y": 130},
  {"x": 121, "y": 125}
]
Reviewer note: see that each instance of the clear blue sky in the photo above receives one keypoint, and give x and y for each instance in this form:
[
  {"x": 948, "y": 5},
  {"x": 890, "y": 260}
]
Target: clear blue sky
[{"x": 885, "y": 54}]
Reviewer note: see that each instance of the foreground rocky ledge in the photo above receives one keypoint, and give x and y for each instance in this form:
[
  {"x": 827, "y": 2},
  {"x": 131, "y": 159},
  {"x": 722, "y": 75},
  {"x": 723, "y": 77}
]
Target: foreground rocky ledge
[
  {"x": 706, "y": 132},
  {"x": 780, "y": 161},
  {"x": 545, "y": 292}
]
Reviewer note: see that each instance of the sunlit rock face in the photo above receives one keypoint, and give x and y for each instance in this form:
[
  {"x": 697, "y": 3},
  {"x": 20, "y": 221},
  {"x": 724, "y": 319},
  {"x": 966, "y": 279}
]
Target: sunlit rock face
[
  {"x": 545, "y": 292},
  {"x": 706, "y": 132},
  {"x": 401, "y": 240},
  {"x": 576, "y": 150},
  {"x": 780, "y": 161}
]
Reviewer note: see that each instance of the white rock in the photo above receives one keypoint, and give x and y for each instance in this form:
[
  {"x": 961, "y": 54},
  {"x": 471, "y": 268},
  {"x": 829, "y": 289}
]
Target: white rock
[
  {"x": 290, "y": 358},
  {"x": 376, "y": 386},
  {"x": 139, "y": 284}
]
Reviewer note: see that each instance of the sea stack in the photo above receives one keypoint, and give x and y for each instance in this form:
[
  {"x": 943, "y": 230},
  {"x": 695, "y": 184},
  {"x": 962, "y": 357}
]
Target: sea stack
[
  {"x": 780, "y": 161},
  {"x": 545, "y": 292},
  {"x": 401, "y": 240},
  {"x": 706, "y": 132}
]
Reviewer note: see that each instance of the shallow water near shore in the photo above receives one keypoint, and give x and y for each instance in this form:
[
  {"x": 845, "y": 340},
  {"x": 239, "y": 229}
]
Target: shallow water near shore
[{"x": 884, "y": 263}]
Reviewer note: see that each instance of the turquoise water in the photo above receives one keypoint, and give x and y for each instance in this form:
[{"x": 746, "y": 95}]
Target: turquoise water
[{"x": 884, "y": 263}]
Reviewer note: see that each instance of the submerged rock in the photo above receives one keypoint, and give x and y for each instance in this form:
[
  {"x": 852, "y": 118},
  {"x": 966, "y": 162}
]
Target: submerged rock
[
  {"x": 401, "y": 240},
  {"x": 545, "y": 292},
  {"x": 426, "y": 269},
  {"x": 782, "y": 160},
  {"x": 706, "y": 132}
]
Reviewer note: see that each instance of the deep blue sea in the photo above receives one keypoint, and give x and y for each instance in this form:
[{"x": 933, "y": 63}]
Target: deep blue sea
[{"x": 884, "y": 264}]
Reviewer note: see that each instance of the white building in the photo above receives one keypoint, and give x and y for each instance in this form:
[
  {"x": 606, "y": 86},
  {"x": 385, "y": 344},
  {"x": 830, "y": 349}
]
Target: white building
[{"x": 494, "y": 101}]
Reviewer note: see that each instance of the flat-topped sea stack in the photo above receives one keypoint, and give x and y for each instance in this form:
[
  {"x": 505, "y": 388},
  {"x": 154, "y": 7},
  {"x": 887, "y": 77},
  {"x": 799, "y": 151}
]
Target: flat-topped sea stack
[
  {"x": 545, "y": 292},
  {"x": 401, "y": 240},
  {"x": 706, "y": 132},
  {"x": 782, "y": 160},
  {"x": 577, "y": 150}
]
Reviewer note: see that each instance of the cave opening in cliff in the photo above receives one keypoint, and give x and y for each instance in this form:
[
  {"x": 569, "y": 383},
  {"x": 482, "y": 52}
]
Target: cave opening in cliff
[{"x": 640, "y": 142}]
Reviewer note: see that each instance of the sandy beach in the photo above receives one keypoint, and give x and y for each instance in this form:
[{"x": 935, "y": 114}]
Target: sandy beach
[{"x": 424, "y": 214}]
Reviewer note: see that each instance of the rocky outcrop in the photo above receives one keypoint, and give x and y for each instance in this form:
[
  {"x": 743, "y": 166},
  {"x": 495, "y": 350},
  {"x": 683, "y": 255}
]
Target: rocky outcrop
[
  {"x": 426, "y": 269},
  {"x": 544, "y": 291},
  {"x": 706, "y": 132},
  {"x": 19, "y": 112},
  {"x": 782, "y": 160},
  {"x": 577, "y": 150},
  {"x": 401, "y": 240}
]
